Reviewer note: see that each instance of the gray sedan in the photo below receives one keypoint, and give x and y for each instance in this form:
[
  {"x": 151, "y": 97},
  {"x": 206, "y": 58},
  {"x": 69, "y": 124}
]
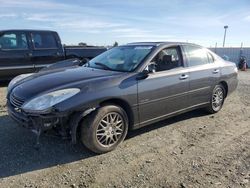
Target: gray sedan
[{"x": 124, "y": 88}]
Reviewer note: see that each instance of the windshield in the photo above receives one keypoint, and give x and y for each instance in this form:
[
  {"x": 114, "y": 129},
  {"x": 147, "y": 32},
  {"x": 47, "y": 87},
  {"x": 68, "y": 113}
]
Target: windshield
[{"x": 123, "y": 58}]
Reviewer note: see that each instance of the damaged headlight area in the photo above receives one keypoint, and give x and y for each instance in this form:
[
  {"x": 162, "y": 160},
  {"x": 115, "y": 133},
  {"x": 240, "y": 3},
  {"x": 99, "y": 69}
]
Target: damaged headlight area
[{"x": 46, "y": 101}]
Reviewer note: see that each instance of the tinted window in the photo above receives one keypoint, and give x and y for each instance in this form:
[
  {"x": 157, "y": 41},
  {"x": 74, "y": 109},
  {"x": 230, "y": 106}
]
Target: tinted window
[
  {"x": 196, "y": 55},
  {"x": 167, "y": 59},
  {"x": 12, "y": 41},
  {"x": 44, "y": 40}
]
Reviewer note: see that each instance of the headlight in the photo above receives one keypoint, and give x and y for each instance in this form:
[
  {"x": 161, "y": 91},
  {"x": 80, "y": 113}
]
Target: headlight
[
  {"x": 17, "y": 79},
  {"x": 43, "y": 102}
]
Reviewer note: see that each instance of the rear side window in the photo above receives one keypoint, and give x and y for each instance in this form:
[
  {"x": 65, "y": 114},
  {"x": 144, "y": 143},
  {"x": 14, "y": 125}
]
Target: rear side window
[
  {"x": 44, "y": 40},
  {"x": 196, "y": 55},
  {"x": 13, "y": 41}
]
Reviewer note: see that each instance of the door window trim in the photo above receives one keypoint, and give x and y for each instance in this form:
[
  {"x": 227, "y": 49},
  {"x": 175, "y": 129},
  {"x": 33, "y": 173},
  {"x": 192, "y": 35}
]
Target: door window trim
[
  {"x": 171, "y": 72},
  {"x": 213, "y": 59}
]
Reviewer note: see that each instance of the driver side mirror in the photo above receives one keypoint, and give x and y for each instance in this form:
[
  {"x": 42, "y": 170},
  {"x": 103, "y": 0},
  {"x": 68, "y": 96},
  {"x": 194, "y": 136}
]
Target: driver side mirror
[
  {"x": 83, "y": 61},
  {"x": 151, "y": 68}
]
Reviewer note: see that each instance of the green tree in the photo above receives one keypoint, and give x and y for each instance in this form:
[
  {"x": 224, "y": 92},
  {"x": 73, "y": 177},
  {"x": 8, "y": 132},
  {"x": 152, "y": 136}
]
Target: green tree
[
  {"x": 115, "y": 44},
  {"x": 82, "y": 44}
]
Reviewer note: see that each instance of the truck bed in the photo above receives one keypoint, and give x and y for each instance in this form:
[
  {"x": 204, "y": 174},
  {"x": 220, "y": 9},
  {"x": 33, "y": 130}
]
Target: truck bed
[{"x": 83, "y": 51}]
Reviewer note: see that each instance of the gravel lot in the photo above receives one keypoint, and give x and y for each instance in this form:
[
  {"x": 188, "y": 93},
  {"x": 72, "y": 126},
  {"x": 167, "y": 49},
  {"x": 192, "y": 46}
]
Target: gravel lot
[{"x": 191, "y": 150}]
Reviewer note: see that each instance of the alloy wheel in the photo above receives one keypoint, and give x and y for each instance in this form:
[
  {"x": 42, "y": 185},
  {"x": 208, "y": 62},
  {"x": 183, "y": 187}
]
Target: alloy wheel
[
  {"x": 110, "y": 129},
  {"x": 217, "y": 99}
]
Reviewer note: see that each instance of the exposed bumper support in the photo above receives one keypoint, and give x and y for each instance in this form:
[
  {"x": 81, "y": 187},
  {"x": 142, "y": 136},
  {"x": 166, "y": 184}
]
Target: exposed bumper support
[{"x": 38, "y": 123}]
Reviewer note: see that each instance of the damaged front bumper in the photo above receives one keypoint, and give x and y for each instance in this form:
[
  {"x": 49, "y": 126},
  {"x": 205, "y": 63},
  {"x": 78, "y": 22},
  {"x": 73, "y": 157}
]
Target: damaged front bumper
[
  {"x": 65, "y": 123},
  {"x": 39, "y": 123}
]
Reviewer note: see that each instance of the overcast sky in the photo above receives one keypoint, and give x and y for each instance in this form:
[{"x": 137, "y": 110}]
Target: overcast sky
[{"x": 101, "y": 22}]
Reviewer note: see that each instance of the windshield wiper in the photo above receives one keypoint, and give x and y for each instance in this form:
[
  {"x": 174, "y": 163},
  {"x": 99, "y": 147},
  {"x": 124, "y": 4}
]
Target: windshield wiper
[{"x": 104, "y": 66}]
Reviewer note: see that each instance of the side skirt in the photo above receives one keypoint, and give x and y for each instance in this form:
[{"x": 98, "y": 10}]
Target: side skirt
[{"x": 154, "y": 120}]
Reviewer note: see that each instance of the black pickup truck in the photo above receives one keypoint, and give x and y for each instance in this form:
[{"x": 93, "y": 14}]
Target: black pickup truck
[{"x": 25, "y": 51}]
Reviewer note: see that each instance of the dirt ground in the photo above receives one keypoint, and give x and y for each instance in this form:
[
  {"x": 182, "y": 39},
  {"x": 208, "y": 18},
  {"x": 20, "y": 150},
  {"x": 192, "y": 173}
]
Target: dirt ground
[{"x": 191, "y": 150}]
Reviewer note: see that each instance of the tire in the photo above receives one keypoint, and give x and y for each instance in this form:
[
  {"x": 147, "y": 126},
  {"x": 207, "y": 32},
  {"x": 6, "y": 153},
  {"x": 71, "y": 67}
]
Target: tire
[
  {"x": 103, "y": 130},
  {"x": 217, "y": 99}
]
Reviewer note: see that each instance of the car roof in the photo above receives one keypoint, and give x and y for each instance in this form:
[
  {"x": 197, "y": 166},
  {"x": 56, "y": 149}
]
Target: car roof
[{"x": 160, "y": 43}]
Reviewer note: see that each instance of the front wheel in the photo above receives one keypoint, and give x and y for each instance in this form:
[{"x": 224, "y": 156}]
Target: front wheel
[
  {"x": 104, "y": 129},
  {"x": 217, "y": 99}
]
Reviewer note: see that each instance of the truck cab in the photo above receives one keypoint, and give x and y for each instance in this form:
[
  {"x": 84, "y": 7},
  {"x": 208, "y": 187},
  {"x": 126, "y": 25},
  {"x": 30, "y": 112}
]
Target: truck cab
[{"x": 28, "y": 51}]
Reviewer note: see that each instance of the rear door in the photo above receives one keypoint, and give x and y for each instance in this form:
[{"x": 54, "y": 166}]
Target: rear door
[
  {"x": 14, "y": 54},
  {"x": 204, "y": 74},
  {"x": 165, "y": 91},
  {"x": 46, "y": 47}
]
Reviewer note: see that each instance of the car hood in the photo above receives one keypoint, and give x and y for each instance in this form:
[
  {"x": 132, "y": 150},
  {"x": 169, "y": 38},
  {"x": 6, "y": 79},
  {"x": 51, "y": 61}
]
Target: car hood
[{"x": 46, "y": 81}]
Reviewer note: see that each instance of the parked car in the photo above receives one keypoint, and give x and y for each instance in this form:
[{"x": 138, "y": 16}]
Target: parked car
[
  {"x": 124, "y": 88},
  {"x": 25, "y": 51}
]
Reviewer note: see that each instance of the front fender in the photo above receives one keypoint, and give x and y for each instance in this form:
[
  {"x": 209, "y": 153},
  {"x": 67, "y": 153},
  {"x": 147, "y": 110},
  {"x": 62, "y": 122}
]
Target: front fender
[{"x": 75, "y": 121}]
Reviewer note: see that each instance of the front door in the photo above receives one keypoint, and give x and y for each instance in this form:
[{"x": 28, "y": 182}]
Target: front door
[
  {"x": 165, "y": 91},
  {"x": 46, "y": 49},
  {"x": 14, "y": 55}
]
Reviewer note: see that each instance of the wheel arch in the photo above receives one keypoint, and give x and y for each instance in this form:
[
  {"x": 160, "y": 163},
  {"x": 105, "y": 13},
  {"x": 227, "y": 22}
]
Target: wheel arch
[
  {"x": 77, "y": 118},
  {"x": 124, "y": 105},
  {"x": 225, "y": 85}
]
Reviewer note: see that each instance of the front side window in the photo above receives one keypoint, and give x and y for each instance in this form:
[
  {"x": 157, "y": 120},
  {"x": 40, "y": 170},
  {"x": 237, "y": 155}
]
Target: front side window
[
  {"x": 13, "y": 41},
  {"x": 122, "y": 58},
  {"x": 44, "y": 40},
  {"x": 196, "y": 55},
  {"x": 167, "y": 59}
]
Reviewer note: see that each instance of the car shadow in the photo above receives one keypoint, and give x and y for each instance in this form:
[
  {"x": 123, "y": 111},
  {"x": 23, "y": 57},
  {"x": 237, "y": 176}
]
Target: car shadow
[
  {"x": 167, "y": 122},
  {"x": 18, "y": 154}
]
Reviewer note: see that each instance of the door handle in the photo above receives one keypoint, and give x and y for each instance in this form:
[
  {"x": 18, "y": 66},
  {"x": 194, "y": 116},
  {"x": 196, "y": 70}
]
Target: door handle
[
  {"x": 29, "y": 54},
  {"x": 216, "y": 71},
  {"x": 57, "y": 54},
  {"x": 183, "y": 77}
]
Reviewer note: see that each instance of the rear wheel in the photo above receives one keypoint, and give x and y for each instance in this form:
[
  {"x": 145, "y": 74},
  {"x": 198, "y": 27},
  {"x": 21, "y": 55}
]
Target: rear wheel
[
  {"x": 217, "y": 99},
  {"x": 103, "y": 130}
]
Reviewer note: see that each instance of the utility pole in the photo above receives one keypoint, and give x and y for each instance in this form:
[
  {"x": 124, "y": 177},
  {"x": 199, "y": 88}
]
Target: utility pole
[{"x": 225, "y": 33}]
